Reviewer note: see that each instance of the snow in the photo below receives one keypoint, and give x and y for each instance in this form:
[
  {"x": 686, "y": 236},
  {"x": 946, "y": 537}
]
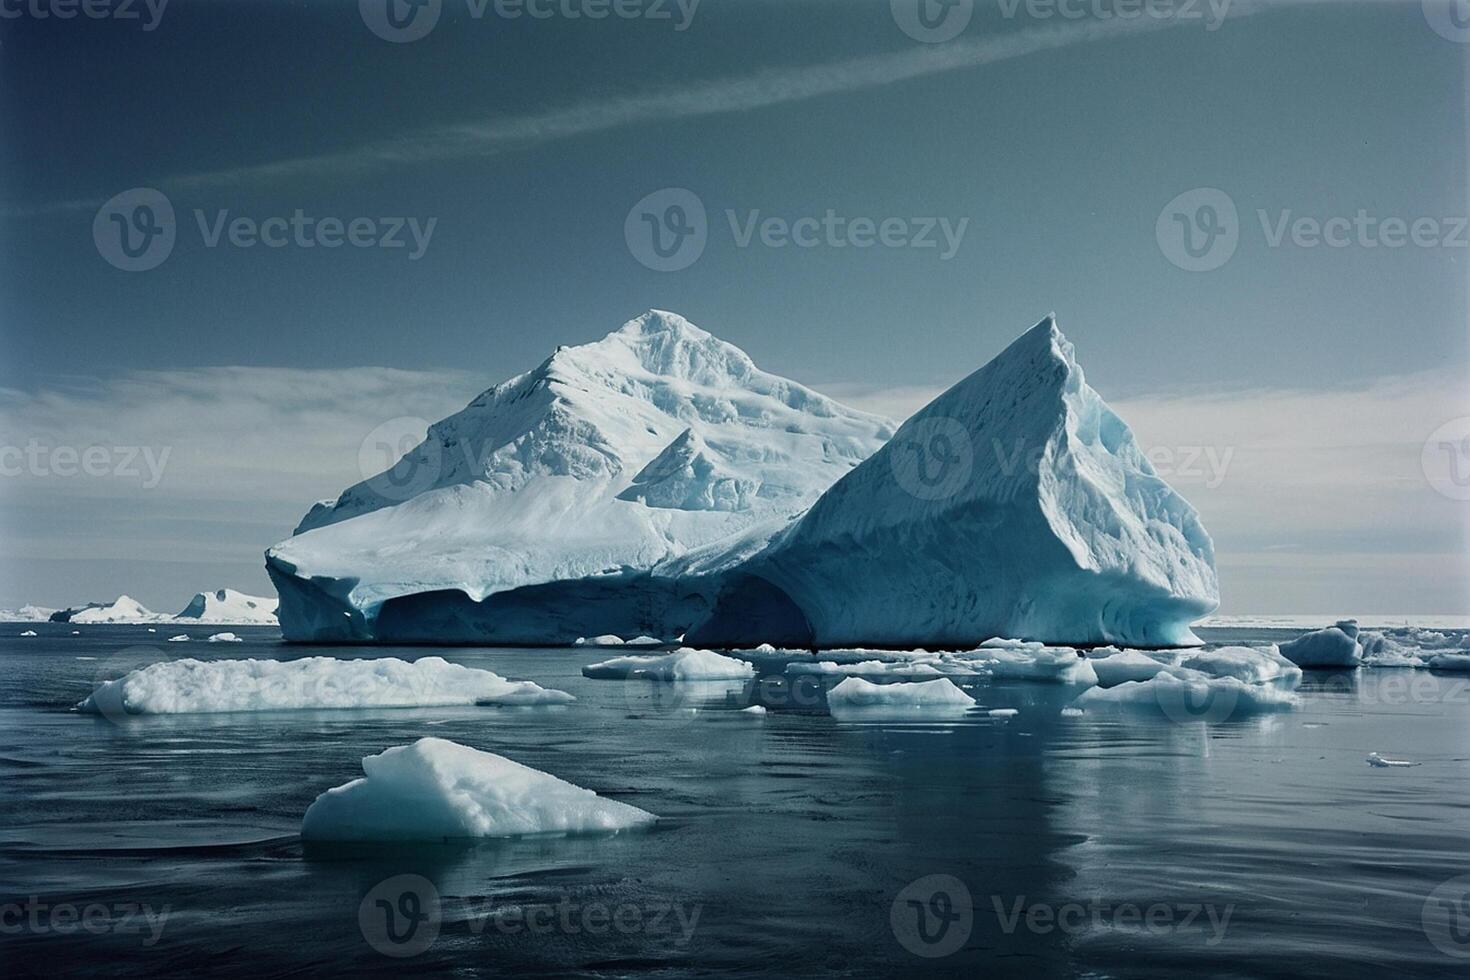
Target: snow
[
  {"x": 27, "y": 614},
  {"x": 855, "y": 696},
  {"x": 1016, "y": 504},
  {"x": 1379, "y": 762},
  {"x": 1335, "y": 646},
  {"x": 558, "y": 496},
  {"x": 231, "y": 608},
  {"x": 224, "y": 638},
  {"x": 187, "y": 686},
  {"x": 436, "y": 789},
  {"x": 681, "y": 665}
]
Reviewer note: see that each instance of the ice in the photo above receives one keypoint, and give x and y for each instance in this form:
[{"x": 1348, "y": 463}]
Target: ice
[
  {"x": 1184, "y": 694},
  {"x": 224, "y": 638},
  {"x": 1379, "y": 762},
  {"x": 27, "y": 614},
  {"x": 1004, "y": 712},
  {"x": 867, "y": 668},
  {"x": 1119, "y": 666},
  {"x": 29, "y": 633},
  {"x": 755, "y": 709},
  {"x": 1335, "y": 646},
  {"x": 226, "y": 606},
  {"x": 605, "y": 640},
  {"x": 682, "y": 665},
  {"x": 1017, "y": 660},
  {"x": 921, "y": 699},
  {"x": 123, "y": 609},
  {"x": 548, "y": 507},
  {"x": 1459, "y": 661},
  {"x": 437, "y": 790},
  {"x": 1254, "y": 665},
  {"x": 186, "y": 686},
  {"x": 1015, "y": 504},
  {"x": 180, "y": 638}
]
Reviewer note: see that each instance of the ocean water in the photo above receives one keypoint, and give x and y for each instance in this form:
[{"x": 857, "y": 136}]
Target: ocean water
[{"x": 793, "y": 844}]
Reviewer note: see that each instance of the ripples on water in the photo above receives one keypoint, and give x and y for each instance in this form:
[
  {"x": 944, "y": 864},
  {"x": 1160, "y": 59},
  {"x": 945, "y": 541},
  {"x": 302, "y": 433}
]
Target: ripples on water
[{"x": 785, "y": 838}]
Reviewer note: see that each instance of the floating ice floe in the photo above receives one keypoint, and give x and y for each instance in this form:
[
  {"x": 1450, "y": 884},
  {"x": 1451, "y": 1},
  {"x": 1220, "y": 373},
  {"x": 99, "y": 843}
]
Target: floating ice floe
[
  {"x": 181, "y": 638},
  {"x": 1004, "y": 712},
  {"x": 1018, "y": 660},
  {"x": 917, "y": 699},
  {"x": 755, "y": 709},
  {"x": 224, "y": 638},
  {"x": 681, "y": 665},
  {"x": 187, "y": 686},
  {"x": 436, "y": 789},
  {"x": 867, "y": 668},
  {"x": 29, "y": 633},
  {"x": 1335, "y": 646},
  {"x": 605, "y": 640},
  {"x": 1379, "y": 762},
  {"x": 1254, "y": 665},
  {"x": 1457, "y": 661},
  {"x": 1192, "y": 695},
  {"x": 1113, "y": 666}
]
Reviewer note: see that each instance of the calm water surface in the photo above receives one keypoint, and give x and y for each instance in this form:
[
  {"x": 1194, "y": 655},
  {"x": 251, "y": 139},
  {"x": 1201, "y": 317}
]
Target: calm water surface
[{"x": 1257, "y": 846}]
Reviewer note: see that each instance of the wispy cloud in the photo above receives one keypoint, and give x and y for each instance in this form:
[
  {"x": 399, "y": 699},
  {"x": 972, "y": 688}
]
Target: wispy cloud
[{"x": 692, "y": 99}]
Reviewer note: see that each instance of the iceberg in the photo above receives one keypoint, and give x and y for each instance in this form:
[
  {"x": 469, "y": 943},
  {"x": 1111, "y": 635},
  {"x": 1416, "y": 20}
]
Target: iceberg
[
  {"x": 1016, "y": 504},
  {"x": 123, "y": 609},
  {"x": 1031, "y": 661},
  {"x": 29, "y": 633},
  {"x": 867, "y": 668},
  {"x": 1113, "y": 667},
  {"x": 224, "y": 638},
  {"x": 437, "y": 790},
  {"x": 921, "y": 699},
  {"x": 229, "y": 608},
  {"x": 579, "y": 499},
  {"x": 1192, "y": 695},
  {"x": 27, "y": 614},
  {"x": 190, "y": 686},
  {"x": 1335, "y": 646},
  {"x": 1456, "y": 661},
  {"x": 682, "y": 665}
]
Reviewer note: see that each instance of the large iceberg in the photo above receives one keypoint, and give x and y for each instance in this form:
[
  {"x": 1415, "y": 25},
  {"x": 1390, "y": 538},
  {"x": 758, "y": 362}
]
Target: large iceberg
[
  {"x": 657, "y": 482},
  {"x": 1016, "y": 504},
  {"x": 435, "y": 790},
  {"x": 544, "y": 510}
]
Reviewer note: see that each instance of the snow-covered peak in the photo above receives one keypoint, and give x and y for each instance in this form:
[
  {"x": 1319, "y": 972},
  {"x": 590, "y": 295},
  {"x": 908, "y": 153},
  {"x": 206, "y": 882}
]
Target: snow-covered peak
[
  {"x": 124, "y": 609},
  {"x": 231, "y": 607}
]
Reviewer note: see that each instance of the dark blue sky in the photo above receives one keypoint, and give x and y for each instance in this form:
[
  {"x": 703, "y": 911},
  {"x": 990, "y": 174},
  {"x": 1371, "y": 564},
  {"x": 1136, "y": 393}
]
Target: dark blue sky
[{"x": 528, "y": 141}]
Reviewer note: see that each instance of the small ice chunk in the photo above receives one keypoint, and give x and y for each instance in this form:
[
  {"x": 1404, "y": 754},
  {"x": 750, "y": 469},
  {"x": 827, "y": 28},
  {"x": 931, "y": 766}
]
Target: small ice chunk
[
  {"x": 755, "y": 709},
  {"x": 29, "y": 633},
  {"x": 181, "y": 638},
  {"x": 1070, "y": 712},
  {"x": 1120, "y": 666},
  {"x": 1192, "y": 694},
  {"x": 1254, "y": 665},
  {"x": 436, "y": 789},
  {"x": 867, "y": 668},
  {"x": 605, "y": 640},
  {"x": 187, "y": 686},
  {"x": 1379, "y": 762},
  {"x": 1020, "y": 660},
  {"x": 224, "y": 638},
  {"x": 1458, "y": 661},
  {"x": 1003, "y": 712},
  {"x": 681, "y": 665},
  {"x": 1331, "y": 647},
  {"x": 910, "y": 699}
]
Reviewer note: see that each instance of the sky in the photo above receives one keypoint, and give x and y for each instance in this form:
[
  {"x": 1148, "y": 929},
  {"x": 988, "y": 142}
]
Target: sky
[{"x": 1154, "y": 180}]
